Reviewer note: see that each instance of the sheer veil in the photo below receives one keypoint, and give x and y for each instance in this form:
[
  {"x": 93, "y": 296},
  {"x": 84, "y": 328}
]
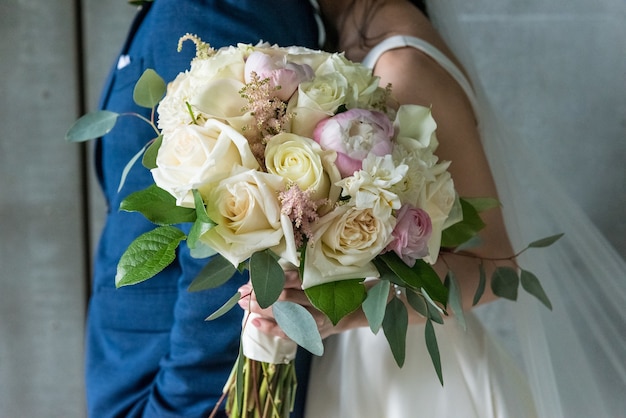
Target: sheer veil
[{"x": 575, "y": 355}]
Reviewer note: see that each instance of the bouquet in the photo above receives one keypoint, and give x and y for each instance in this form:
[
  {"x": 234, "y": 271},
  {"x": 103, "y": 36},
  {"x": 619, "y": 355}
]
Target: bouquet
[{"x": 292, "y": 158}]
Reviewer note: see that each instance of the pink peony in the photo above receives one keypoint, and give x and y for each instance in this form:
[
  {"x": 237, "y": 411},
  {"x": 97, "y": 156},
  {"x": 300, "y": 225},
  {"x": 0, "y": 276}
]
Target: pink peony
[
  {"x": 411, "y": 234},
  {"x": 284, "y": 76},
  {"x": 355, "y": 134}
]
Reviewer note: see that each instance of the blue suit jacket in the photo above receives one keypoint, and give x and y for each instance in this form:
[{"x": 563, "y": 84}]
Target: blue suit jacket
[{"x": 149, "y": 352}]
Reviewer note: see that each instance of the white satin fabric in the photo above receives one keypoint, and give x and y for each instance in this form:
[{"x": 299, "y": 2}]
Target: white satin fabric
[{"x": 358, "y": 378}]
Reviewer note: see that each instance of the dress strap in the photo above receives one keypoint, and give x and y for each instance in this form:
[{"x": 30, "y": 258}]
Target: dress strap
[{"x": 401, "y": 41}]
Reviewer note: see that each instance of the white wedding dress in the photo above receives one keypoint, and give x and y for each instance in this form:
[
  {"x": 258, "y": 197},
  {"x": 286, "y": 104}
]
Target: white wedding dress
[{"x": 566, "y": 363}]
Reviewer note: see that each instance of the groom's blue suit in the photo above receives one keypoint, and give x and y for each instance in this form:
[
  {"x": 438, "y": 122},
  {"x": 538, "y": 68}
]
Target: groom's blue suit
[{"x": 149, "y": 351}]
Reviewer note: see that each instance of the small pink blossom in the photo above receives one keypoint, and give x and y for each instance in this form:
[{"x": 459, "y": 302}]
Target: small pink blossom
[
  {"x": 411, "y": 234},
  {"x": 284, "y": 77},
  {"x": 355, "y": 134}
]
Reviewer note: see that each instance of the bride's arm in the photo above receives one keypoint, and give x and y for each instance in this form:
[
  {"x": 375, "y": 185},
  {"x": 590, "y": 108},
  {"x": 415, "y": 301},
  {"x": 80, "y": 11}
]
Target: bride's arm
[{"x": 417, "y": 79}]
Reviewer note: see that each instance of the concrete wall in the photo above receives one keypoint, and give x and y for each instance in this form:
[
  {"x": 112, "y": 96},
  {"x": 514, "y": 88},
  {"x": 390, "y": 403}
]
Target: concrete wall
[{"x": 556, "y": 69}]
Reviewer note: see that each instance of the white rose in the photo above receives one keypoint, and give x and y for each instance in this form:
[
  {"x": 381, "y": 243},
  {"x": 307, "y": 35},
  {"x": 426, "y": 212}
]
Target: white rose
[
  {"x": 195, "y": 157},
  {"x": 302, "y": 161},
  {"x": 415, "y": 128},
  {"x": 316, "y": 100},
  {"x": 363, "y": 87},
  {"x": 344, "y": 243},
  {"x": 247, "y": 212}
]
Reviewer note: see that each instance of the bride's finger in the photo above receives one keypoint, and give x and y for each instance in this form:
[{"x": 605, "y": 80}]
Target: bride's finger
[{"x": 268, "y": 326}]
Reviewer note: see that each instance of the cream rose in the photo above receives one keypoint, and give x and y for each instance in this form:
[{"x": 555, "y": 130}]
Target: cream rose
[
  {"x": 343, "y": 245},
  {"x": 196, "y": 157},
  {"x": 302, "y": 161},
  {"x": 316, "y": 100},
  {"x": 247, "y": 212}
]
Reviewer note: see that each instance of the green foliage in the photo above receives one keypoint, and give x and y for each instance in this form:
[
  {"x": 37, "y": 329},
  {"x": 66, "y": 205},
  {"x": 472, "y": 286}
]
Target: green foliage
[
  {"x": 530, "y": 283},
  {"x": 420, "y": 276},
  {"x": 417, "y": 302},
  {"x": 337, "y": 299},
  {"x": 464, "y": 230},
  {"x": 267, "y": 277},
  {"x": 545, "y": 242},
  {"x": 147, "y": 255},
  {"x": 299, "y": 325},
  {"x": 230, "y": 303},
  {"x": 202, "y": 222},
  {"x": 505, "y": 282},
  {"x": 375, "y": 303},
  {"x": 482, "y": 282},
  {"x": 149, "y": 90},
  {"x": 92, "y": 126},
  {"x": 395, "y": 326},
  {"x": 217, "y": 272},
  {"x": 150, "y": 156},
  {"x": 433, "y": 348},
  {"x": 158, "y": 206},
  {"x": 482, "y": 204},
  {"x": 455, "y": 300}
]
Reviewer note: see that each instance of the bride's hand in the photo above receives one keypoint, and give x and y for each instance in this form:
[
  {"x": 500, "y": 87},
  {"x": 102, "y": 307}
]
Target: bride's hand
[{"x": 293, "y": 292}]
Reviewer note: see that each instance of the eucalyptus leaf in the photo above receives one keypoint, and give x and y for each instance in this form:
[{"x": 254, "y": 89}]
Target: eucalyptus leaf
[
  {"x": 433, "y": 348},
  {"x": 463, "y": 230},
  {"x": 531, "y": 284},
  {"x": 375, "y": 303},
  {"x": 202, "y": 223},
  {"x": 395, "y": 326},
  {"x": 149, "y": 90},
  {"x": 455, "y": 300},
  {"x": 417, "y": 302},
  {"x": 150, "y": 156},
  {"x": 147, "y": 255},
  {"x": 482, "y": 282},
  {"x": 129, "y": 165},
  {"x": 421, "y": 275},
  {"x": 217, "y": 272},
  {"x": 226, "y": 307},
  {"x": 201, "y": 250},
  {"x": 299, "y": 325},
  {"x": 337, "y": 299},
  {"x": 434, "y": 314},
  {"x": 482, "y": 204},
  {"x": 267, "y": 277},
  {"x": 158, "y": 206},
  {"x": 93, "y": 125},
  {"x": 505, "y": 282},
  {"x": 545, "y": 242}
]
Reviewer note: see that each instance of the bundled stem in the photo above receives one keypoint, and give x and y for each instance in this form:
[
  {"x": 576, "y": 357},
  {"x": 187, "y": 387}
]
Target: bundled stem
[{"x": 269, "y": 390}]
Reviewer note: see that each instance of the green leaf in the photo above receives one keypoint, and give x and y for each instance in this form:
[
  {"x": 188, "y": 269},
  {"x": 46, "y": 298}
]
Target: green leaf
[
  {"x": 267, "y": 277},
  {"x": 129, "y": 165},
  {"x": 395, "y": 326},
  {"x": 545, "y": 242},
  {"x": 91, "y": 126},
  {"x": 433, "y": 348},
  {"x": 375, "y": 303},
  {"x": 147, "y": 255},
  {"x": 150, "y": 156},
  {"x": 482, "y": 281},
  {"x": 149, "y": 90},
  {"x": 337, "y": 299},
  {"x": 455, "y": 300},
  {"x": 482, "y": 204},
  {"x": 421, "y": 275},
  {"x": 505, "y": 282},
  {"x": 230, "y": 303},
  {"x": 299, "y": 325},
  {"x": 217, "y": 272},
  {"x": 158, "y": 206},
  {"x": 434, "y": 313},
  {"x": 531, "y": 284},
  {"x": 417, "y": 302},
  {"x": 464, "y": 230},
  {"x": 202, "y": 223}
]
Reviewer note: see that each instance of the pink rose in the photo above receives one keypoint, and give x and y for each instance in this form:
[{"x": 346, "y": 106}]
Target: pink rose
[
  {"x": 284, "y": 76},
  {"x": 355, "y": 134},
  {"x": 411, "y": 234}
]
